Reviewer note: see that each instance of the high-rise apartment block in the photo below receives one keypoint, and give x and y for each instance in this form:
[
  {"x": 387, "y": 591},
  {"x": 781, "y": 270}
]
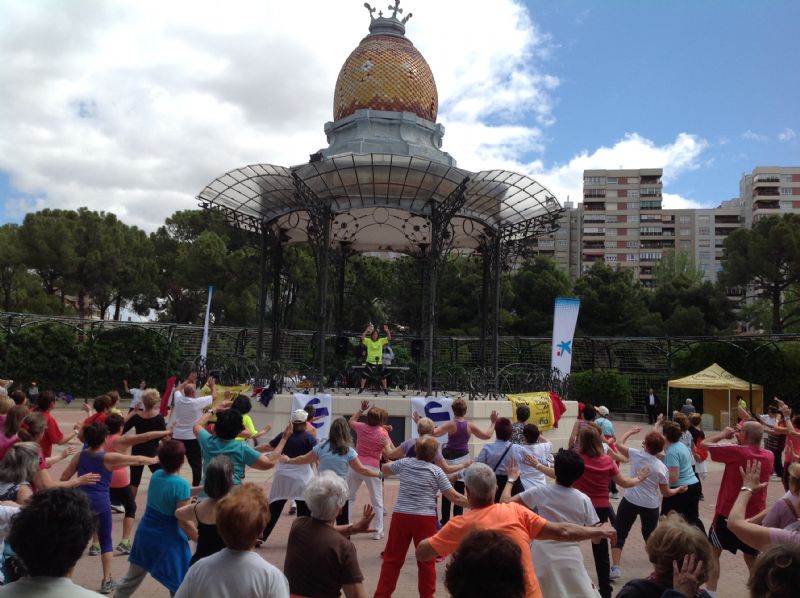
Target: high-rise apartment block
[{"x": 622, "y": 222}]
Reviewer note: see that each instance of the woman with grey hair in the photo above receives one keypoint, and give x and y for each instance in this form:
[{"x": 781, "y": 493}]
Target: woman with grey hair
[
  {"x": 17, "y": 471},
  {"x": 317, "y": 544},
  {"x": 202, "y": 515}
]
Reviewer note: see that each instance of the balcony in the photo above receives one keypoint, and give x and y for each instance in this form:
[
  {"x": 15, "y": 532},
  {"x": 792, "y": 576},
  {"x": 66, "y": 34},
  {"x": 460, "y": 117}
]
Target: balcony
[
  {"x": 766, "y": 205},
  {"x": 651, "y": 180},
  {"x": 766, "y": 178},
  {"x": 594, "y": 207},
  {"x": 650, "y": 205},
  {"x": 766, "y": 192},
  {"x": 727, "y": 219}
]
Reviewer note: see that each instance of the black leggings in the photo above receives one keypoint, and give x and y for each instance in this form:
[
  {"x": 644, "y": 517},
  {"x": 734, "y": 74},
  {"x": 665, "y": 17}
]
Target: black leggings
[
  {"x": 194, "y": 458},
  {"x": 124, "y": 496},
  {"x": 275, "y": 509},
  {"x": 626, "y": 515},
  {"x": 687, "y": 504},
  {"x": 344, "y": 515},
  {"x": 137, "y": 470},
  {"x": 457, "y": 510},
  {"x": 602, "y": 561}
]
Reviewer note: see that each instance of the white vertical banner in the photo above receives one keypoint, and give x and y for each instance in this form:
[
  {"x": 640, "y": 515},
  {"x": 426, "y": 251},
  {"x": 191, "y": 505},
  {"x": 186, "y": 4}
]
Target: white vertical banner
[
  {"x": 439, "y": 409},
  {"x": 564, "y": 320},
  {"x": 204, "y": 343},
  {"x": 323, "y": 415}
]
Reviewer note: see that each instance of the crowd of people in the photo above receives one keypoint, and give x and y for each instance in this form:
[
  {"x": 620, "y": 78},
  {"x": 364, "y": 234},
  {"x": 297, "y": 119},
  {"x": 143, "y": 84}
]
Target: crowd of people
[{"x": 519, "y": 510}]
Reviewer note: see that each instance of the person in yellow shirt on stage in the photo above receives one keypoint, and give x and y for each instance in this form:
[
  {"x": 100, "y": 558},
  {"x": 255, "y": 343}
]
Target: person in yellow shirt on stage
[{"x": 374, "y": 366}]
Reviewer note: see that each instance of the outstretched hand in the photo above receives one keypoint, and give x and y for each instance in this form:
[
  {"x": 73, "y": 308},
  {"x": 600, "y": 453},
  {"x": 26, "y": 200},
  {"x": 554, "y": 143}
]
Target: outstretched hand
[
  {"x": 363, "y": 525},
  {"x": 415, "y": 417},
  {"x": 686, "y": 580},
  {"x": 493, "y": 417},
  {"x": 512, "y": 468},
  {"x": 531, "y": 460},
  {"x": 643, "y": 473},
  {"x": 751, "y": 476},
  {"x": 364, "y": 405}
]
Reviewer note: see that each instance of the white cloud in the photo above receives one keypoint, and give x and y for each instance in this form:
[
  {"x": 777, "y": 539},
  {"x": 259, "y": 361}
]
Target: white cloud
[
  {"x": 787, "y": 135},
  {"x": 134, "y": 107},
  {"x": 751, "y": 136}
]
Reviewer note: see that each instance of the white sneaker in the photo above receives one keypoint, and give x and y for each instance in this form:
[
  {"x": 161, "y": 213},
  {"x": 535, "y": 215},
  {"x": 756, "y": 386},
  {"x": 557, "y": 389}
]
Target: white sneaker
[
  {"x": 117, "y": 508},
  {"x": 615, "y": 572},
  {"x": 377, "y": 536},
  {"x": 615, "y": 495}
]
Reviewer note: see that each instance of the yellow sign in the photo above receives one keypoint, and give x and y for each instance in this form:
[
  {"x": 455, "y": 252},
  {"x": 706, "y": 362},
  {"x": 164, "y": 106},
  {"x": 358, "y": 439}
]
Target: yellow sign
[
  {"x": 234, "y": 391},
  {"x": 540, "y": 405}
]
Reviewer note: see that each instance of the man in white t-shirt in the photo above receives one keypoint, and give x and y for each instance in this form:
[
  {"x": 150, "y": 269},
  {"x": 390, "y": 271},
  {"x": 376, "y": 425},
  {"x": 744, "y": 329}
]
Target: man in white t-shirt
[
  {"x": 136, "y": 393},
  {"x": 186, "y": 410}
]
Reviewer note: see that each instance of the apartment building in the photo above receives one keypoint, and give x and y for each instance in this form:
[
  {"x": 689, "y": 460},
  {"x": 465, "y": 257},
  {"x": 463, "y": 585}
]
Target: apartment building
[
  {"x": 563, "y": 245},
  {"x": 768, "y": 191}
]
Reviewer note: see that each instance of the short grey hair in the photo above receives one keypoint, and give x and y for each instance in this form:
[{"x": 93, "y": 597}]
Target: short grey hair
[
  {"x": 753, "y": 432},
  {"x": 325, "y": 496},
  {"x": 20, "y": 464},
  {"x": 481, "y": 483}
]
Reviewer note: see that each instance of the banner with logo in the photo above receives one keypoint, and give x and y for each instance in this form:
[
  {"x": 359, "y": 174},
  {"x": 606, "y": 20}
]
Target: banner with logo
[
  {"x": 439, "y": 409},
  {"x": 564, "y": 320},
  {"x": 324, "y": 411},
  {"x": 204, "y": 342},
  {"x": 541, "y": 406}
]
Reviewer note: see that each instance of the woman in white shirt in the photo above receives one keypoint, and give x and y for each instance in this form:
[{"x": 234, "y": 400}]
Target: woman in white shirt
[
  {"x": 559, "y": 565},
  {"x": 538, "y": 447},
  {"x": 644, "y": 500},
  {"x": 186, "y": 410}
]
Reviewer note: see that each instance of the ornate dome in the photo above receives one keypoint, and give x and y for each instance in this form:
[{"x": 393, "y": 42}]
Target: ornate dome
[{"x": 386, "y": 72}]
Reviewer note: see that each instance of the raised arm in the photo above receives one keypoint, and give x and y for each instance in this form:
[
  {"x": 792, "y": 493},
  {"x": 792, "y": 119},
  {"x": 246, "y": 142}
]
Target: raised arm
[
  {"x": 115, "y": 460},
  {"x": 621, "y": 445},
  {"x": 751, "y": 534},
  {"x": 388, "y": 332},
  {"x": 570, "y": 532},
  {"x": 309, "y": 457},
  {"x": 487, "y": 434},
  {"x": 448, "y": 427},
  {"x": 125, "y": 385},
  {"x": 367, "y": 332},
  {"x": 357, "y": 415},
  {"x": 725, "y": 434},
  {"x": 125, "y": 442}
]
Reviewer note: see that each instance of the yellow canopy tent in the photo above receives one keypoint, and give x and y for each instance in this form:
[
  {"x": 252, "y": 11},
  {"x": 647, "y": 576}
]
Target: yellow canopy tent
[{"x": 717, "y": 384}]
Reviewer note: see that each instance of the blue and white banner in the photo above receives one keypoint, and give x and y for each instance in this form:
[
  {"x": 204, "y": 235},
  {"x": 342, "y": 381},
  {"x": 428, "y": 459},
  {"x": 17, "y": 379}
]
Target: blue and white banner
[
  {"x": 204, "y": 343},
  {"x": 323, "y": 415},
  {"x": 439, "y": 409},
  {"x": 564, "y": 320}
]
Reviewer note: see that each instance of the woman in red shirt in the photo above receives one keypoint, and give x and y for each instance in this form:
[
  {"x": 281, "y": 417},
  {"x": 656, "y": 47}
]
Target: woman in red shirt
[{"x": 599, "y": 469}]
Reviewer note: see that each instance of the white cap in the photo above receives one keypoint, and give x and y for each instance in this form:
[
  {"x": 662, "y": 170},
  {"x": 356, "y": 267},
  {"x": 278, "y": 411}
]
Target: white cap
[
  {"x": 602, "y": 410},
  {"x": 299, "y": 416}
]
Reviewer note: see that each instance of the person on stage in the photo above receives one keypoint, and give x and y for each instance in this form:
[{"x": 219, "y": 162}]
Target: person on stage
[{"x": 374, "y": 366}]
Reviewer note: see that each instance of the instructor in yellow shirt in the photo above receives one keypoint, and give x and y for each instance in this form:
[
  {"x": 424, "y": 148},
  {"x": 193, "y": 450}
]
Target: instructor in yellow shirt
[{"x": 374, "y": 366}]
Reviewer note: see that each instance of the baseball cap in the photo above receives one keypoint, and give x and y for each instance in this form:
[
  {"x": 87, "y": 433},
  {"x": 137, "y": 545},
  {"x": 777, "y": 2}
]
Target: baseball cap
[{"x": 299, "y": 416}]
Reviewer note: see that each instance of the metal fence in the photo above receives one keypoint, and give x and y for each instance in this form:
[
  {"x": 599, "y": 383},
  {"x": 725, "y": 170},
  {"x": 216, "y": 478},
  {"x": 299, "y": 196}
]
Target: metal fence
[{"x": 524, "y": 362}]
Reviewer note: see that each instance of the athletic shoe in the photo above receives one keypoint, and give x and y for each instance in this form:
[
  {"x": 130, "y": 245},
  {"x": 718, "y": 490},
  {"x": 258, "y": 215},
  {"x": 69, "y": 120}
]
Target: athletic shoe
[
  {"x": 386, "y": 392},
  {"x": 117, "y": 508},
  {"x": 94, "y": 550},
  {"x": 615, "y": 495},
  {"x": 108, "y": 586},
  {"x": 615, "y": 572},
  {"x": 360, "y": 390},
  {"x": 377, "y": 536},
  {"x": 124, "y": 547}
]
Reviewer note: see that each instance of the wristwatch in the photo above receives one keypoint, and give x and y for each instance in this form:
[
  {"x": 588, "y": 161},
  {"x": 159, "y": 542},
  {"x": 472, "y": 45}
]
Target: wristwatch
[
  {"x": 745, "y": 488},
  {"x": 510, "y": 480}
]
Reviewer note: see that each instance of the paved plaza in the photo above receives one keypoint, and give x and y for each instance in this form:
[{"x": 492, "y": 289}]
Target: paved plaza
[{"x": 634, "y": 562}]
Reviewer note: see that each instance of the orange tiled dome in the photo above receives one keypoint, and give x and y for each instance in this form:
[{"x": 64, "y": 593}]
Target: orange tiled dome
[{"x": 386, "y": 72}]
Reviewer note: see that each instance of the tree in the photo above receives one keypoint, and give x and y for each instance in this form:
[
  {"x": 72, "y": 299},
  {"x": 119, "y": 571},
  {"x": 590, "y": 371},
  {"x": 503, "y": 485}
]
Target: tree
[
  {"x": 674, "y": 264},
  {"x": 766, "y": 259},
  {"x": 688, "y": 307},
  {"x": 535, "y": 285},
  {"x": 612, "y": 304}
]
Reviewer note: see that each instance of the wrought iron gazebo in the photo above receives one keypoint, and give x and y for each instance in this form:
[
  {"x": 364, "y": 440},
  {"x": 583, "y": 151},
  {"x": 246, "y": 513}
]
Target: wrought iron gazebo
[{"x": 383, "y": 185}]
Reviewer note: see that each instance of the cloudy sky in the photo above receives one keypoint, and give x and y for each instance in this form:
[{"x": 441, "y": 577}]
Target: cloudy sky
[{"x": 133, "y": 107}]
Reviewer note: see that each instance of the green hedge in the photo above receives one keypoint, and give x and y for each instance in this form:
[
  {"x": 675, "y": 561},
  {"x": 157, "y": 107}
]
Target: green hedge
[{"x": 602, "y": 387}]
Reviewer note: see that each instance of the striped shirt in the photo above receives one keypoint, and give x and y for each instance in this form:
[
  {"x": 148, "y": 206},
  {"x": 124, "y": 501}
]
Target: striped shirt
[{"x": 420, "y": 482}]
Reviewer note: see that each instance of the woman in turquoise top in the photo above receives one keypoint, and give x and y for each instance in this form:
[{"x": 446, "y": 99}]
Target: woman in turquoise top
[
  {"x": 161, "y": 547},
  {"x": 678, "y": 460}
]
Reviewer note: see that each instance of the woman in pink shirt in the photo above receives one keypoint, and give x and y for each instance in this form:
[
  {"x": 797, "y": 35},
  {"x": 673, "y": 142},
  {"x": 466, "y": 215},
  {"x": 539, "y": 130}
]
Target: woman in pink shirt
[
  {"x": 371, "y": 442},
  {"x": 598, "y": 469}
]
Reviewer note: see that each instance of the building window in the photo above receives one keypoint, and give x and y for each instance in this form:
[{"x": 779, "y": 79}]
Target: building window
[
  {"x": 786, "y": 190},
  {"x": 703, "y": 219},
  {"x": 686, "y": 244},
  {"x": 633, "y": 193},
  {"x": 685, "y": 232},
  {"x": 704, "y": 230},
  {"x": 611, "y": 206},
  {"x": 705, "y": 243},
  {"x": 611, "y": 218},
  {"x": 705, "y": 255},
  {"x": 562, "y": 243},
  {"x": 633, "y": 218},
  {"x": 612, "y": 180},
  {"x": 611, "y": 232},
  {"x": 595, "y": 180},
  {"x": 611, "y": 258},
  {"x": 594, "y": 192},
  {"x": 686, "y": 219}
]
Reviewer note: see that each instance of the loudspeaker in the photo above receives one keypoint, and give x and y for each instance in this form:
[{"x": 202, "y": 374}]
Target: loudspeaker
[
  {"x": 417, "y": 349},
  {"x": 342, "y": 346}
]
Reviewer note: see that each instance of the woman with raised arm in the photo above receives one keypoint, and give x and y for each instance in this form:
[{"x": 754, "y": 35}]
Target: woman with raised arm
[
  {"x": 456, "y": 449},
  {"x": 598, "y": 469},
  {"x": 643, "y": 501},
  {"x": 371, "y": 442},
  {"x": 335, "y": 454},
  {"x": 149, "y": 419},
  {"x": 678, "y": 460},
  {"x": 95, "y": 459}
]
